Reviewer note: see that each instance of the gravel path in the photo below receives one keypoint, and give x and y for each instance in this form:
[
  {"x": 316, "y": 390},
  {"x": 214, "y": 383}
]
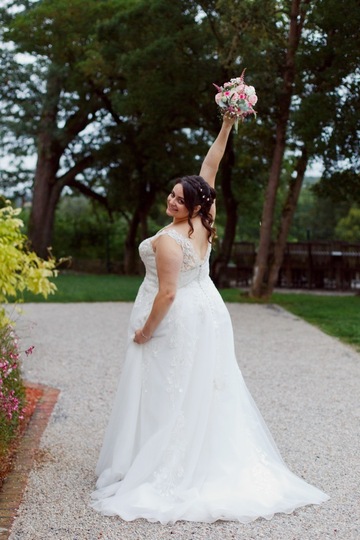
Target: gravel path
[{"x": 306, "y": 384}]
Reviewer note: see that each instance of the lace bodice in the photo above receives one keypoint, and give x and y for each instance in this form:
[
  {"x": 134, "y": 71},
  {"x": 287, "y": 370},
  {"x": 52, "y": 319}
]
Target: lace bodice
[{"x": 193, "y": 267}]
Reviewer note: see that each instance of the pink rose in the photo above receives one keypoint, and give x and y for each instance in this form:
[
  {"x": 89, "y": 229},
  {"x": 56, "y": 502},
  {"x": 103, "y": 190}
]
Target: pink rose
[
  {"x": 252, "y": 99},
  {"x": 240, "y": 89}
]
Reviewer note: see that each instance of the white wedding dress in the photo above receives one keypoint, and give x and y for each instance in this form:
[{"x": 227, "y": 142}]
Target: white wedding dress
[{"x": 185, "y": 440}]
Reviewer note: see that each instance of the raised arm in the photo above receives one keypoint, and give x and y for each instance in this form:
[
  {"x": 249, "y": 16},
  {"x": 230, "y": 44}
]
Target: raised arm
[{"x": 216, "y": 151}]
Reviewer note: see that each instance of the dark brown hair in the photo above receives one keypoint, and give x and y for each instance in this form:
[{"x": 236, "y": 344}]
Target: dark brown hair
[{"x": 197, "y": 192}]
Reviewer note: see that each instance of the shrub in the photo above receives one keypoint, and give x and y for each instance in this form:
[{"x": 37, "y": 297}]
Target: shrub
[
  {"x": 20, "y": 269},
  {"x": 12, "y": 393},
  {"x": 348, "y": 227}
]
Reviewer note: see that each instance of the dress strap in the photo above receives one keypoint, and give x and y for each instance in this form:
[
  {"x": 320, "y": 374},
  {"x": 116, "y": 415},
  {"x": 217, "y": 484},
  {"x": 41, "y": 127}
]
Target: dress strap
[
  {"x": 179, "y": 238},
  {"x": 191, "y": 259}
]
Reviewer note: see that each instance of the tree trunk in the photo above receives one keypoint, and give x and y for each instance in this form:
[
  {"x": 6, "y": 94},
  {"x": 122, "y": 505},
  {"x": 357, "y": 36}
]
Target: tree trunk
[
  {"x": 51, "y": 144},
  {"x": 286, "y": 221},
  {"x": 221, "y": 261},
  {"x": 261, "y": 263},
  {"x": 45, "y": 198},
  {"x": 130, "y": 254},
  {"x": 46, "y": 191},
  {"x": 131, "y": 258}
]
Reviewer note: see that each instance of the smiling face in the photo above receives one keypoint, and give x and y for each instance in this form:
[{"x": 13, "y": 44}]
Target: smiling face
[{"x": 176, "y": 205}]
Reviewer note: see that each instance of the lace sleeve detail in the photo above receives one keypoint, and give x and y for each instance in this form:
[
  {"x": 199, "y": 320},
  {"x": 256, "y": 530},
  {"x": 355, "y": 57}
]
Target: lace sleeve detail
[{"x": 190, "y": 259}]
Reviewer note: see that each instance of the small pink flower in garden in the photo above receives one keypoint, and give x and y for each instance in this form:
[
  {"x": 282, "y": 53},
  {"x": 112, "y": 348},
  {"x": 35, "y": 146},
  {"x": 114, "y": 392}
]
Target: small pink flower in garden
[
  {"x": 10, "y": 401},
  {"x": 29, "y": 350}
]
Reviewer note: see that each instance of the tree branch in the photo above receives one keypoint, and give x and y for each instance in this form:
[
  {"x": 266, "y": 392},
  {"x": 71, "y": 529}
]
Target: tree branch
[
  {"x": 107, "y": 103},
  {"x": 79, "y": 167},
  {"x": 88, "y": 192},
  {"x": 69, "y": 179},
  {"x": 77, "y": 122}
]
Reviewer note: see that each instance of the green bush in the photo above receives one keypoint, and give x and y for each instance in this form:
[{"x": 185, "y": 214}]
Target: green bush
[
  {"x": 12, "y": 392},
  {"x": 84, "y": 230},
  {"x": 348, "y": 227},
  {"x": 20, "y": 270}
]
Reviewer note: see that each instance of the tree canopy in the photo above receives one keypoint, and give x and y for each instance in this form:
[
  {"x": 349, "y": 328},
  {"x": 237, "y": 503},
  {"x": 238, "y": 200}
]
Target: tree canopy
[{"x": 115, "y": 99}]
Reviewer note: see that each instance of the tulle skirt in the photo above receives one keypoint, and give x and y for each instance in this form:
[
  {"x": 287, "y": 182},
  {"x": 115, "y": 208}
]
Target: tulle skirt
[{"x": 185, "y": 440}]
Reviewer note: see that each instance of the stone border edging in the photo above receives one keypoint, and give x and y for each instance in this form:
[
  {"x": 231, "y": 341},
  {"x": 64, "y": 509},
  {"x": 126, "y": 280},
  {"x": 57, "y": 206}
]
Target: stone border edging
[{"x": 14, "y": 485}]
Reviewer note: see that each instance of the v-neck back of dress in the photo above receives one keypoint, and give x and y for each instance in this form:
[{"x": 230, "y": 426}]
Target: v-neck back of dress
[{"x": 185, "y": 242}]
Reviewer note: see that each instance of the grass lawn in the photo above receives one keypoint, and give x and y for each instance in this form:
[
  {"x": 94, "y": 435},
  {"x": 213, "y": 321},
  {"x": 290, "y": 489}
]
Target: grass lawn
[
  {"x": 91, "y": 288},
  {"x": 338, "y": 316}
]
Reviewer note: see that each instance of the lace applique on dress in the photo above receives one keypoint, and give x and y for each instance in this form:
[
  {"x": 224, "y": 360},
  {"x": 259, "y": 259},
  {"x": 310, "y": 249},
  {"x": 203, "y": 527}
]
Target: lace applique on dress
[
  {"x": 169, "y": 475},
  {"x": 191, "y": 258}
]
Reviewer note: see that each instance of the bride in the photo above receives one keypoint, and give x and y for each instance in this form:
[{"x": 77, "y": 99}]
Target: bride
[{"x": 185, "y": 440}]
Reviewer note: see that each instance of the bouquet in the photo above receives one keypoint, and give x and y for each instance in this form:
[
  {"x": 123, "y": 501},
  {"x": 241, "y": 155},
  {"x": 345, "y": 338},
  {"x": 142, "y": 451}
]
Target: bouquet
[{"x": 236, "y": 98}]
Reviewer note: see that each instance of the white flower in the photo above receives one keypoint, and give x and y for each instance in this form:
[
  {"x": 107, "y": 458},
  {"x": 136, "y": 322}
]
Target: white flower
[{"x": 249, "y": 90}]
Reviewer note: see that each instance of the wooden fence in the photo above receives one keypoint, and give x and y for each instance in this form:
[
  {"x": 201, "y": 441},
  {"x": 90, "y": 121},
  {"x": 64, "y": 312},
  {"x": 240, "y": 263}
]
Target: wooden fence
[{"x": 311, "y": 265}]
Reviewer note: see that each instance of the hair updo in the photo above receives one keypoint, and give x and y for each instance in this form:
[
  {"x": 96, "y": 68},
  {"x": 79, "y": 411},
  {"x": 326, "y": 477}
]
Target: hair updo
[{"x": 197, "y": 192}]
